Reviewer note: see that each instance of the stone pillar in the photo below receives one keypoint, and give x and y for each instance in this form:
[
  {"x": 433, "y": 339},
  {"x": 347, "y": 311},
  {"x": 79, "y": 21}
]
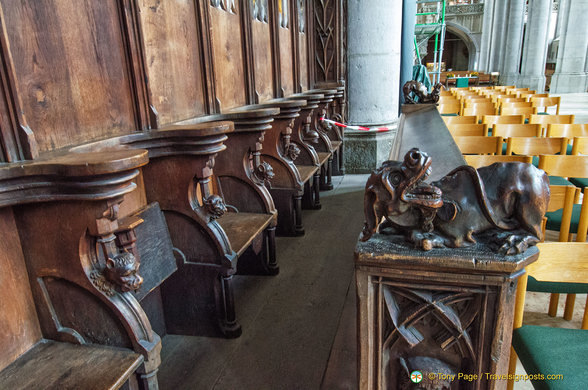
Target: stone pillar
[
  {"x": 509, "y": 72},
  {"x": 499, "y": 29},
  {"x": 373, "y": 48},
  {"x": 488, "y": 24},
  {"x": 570, "y": 69},
  {"x": 535, "y": 46}
]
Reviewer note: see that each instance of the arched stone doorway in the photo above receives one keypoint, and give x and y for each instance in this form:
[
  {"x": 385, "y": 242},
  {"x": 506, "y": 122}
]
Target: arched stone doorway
[{"x": 460, "y": 51}]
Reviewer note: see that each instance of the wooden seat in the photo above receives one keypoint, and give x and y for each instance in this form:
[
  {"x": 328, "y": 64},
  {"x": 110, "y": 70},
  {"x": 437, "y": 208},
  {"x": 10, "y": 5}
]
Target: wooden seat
[
  {"x": 460, "y": 120},
  {"x": 54, "y": 365},
  {"x": 491, "y": 120},
  {"x": 526, "y": 111},
  {"x": 450, "y": 108},
  {"x": 478, "y": 161},
  {"x": 544, "y": 350},
  {"x": 479, "y": 111},
  {"x": 545, "y": 120},
  {"x": 243, "y": 228},
  {"x": 505, "y": 130},
  {"x": 459, "y": 130},
  {"x": 545, "y": 102},
  {"x": 479, "y": 144}
]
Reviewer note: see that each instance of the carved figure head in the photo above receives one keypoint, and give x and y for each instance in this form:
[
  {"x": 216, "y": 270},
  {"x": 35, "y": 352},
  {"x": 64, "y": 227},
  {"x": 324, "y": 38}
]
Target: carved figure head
[
  {"x": 215, "y": 206},
  {"x": 122, "y": 271},
  {"x": 264, "y": 171},
  {"x": 397, "y": 191},
  {"x": 293, "y": 151}
]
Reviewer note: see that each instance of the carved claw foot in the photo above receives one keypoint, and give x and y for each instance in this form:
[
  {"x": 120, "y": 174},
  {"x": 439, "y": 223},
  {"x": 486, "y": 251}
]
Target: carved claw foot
[
  {"x": 509, "y": 243},
  {"x": 427, "y": 241}
]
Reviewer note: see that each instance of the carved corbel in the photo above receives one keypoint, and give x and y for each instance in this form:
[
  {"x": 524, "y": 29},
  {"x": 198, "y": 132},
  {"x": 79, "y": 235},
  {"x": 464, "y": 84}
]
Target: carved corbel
[
  {"x": 323, "y": 126},
  {"x": 308, "y": 134},
  {"x": 291, "y": 150},
  {"x": 215, "y": 207},
  {"x": 117, "y": 239}
]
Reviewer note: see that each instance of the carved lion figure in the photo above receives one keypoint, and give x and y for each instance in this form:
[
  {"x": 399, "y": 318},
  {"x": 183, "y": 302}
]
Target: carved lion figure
[
  {"x": 503, "y": 204},
  {"x": 122, "y": 271},
  {"x": 264, "y": 172},
  {"x": 413, "y": 89},
  {"x": 215, "y": 206},
  {"x": 293, "y": 151}
]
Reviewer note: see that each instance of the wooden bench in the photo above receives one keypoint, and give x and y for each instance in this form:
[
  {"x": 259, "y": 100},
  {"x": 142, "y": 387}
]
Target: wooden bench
[{"x": 74, "y": 321}]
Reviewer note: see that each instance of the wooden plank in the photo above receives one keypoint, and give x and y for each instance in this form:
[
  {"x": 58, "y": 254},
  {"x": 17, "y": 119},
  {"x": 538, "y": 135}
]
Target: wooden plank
[
  {"x": 306, "y": 171},
  {"x": 243, "y": 228},
  {"x": 263, "y": 64},
  {"x": 19, "y": 327},
  {"x": 64, "y": 366}
]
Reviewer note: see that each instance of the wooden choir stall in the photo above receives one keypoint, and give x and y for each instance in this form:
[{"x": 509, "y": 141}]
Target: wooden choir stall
[{"x": 150, "y": 152}]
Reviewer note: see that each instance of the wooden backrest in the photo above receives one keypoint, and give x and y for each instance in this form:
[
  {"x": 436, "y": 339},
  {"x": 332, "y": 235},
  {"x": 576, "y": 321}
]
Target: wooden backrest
[
  {"x": 479, "y": 110},
  {"x": 479, "y": 144},
  {"x": 565, "y": 166},
  {"x": 523, "y": 103},
  {"x": 567, "y": 130},
  {"x": 562, "y": 197},
  {"x": 506, "y": 130},
  {"x": 525, "y": 93},
  {"x": 507, "y": 119},
  {"x": 451, "y": 108},
  {"x": 546, "y": 101},
  {"x": 483, "y": 160},
  {"x": 514, "y": 91},
  {"x": 459, "y": 130},
  {"x": 449, "y": 100},
  {"x": 580, "y": 146},
  {"x": 478, "y": 102},
  {"x": 534, "y": 146},
  {"x": 510, "y": 99},
  {"x": 544, "y": 120},
  {"x": 460, "y": 119},
  {"x": 527, "y": 111},
  {"x": 19, "y": 326}
]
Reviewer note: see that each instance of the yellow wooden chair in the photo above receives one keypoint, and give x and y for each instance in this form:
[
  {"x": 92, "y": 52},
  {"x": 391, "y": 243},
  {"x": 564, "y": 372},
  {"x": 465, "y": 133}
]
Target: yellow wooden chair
[
  {"x": 515, "y": 90},
  {"x": 545, "y": 120},
  {"x": 535, "y": 146},
  {"x": 479, "y": 110},
  {"x": 580, "y": 146},
  {"x": 503, "y": 88},
  {"x": 492, "y": 120},
  {"x": 479, "y": 144},
  {"x": 525, "y": 93},
  {"x": 465, "y": 130},
  {"x": 506, "y": 130},
  {"x": 545, "y": 102},
  {"x": 464, "y": 120},
  {"x": 526, "y": 111},
  {"x": 483, "y": 160},
  {"x": 450, "y": 108},
  {"x": 567, "y": 130}
]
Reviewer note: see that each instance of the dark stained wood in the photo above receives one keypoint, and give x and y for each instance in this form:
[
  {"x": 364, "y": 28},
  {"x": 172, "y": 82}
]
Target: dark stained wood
[
  {"x": 242, "y": 228},
  {"x": 64, "y": 366},
  {"x": 265, "y": 86},
  {"x": 74, "y": 79},
  {"x": 173, "y": 53},
  {"x": 19, "y": 327}
]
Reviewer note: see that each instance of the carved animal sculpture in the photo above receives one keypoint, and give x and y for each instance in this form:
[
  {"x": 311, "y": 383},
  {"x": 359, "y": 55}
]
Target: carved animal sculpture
[
  {"x": 122, "y": 271},
  {"x": 413, "y": 89},
  {"x": 264, "y": 172},
  {"x": 502, "y": 204},
  {"x": 215, "y": 206}
]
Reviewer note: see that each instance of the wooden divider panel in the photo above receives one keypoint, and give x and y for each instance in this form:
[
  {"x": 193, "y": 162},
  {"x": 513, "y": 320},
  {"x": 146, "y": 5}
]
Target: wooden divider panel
[
  {"x": 284, "y": 22},
  {"x": 173, "y": 58},
  {"x": 19, "y": 327},
  {"x": 227, "y": 53},
  {"x": 262, "y": 50},
  {"x": 71, "y": 68},
  {"x": 302, "y": 28}
]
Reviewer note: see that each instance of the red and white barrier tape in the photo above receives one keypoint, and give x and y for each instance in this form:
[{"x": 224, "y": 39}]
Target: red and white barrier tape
[{"x": 376, "y": 129}]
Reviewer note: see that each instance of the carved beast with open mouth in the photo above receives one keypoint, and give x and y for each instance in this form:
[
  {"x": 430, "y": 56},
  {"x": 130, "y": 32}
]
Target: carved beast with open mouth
[{"x": 503, "y": 203}]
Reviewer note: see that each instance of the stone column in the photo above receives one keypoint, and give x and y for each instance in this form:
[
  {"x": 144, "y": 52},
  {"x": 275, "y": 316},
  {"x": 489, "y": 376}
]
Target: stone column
[
  {"x": 509, "y": 72},
  {"x": 570, "y": 69},
  {"x": 535, "y": 46},
  {"x": 374, "y": 30},
  {"x": 499, "y": 29}
]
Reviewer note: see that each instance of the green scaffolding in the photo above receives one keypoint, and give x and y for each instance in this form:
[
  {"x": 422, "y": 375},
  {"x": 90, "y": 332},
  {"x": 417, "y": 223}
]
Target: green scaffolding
[{"x": 427, "y": 29}]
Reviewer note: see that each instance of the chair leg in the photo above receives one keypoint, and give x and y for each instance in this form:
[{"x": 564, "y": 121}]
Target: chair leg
[
  {"x": 316, "y": 188},
  {"x": 553, "y": 301},
  {"x": 512, "y": 367},
  {"x": 228, "y": 321},
  {"x": 272, "y": 263},
  {"x": 569, "y": 309},
  {"x": 298, "y": 228},
  {"x": 585, "y": 318}
]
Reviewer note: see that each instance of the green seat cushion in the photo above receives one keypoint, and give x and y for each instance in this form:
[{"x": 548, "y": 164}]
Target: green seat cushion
[
  {"x": 554, "y": 219},
  {"x": 555, "y": 287},
  {"x": 569, "y": 149},
  {"x": 451, "y": 114},
  {"x": 553, "y": 351},
  {"x": 559, "y": 181},
  {"x": 583, "y": 182}
]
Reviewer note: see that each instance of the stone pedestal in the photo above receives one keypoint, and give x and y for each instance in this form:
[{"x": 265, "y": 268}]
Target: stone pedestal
[
  {"x": 570, "y": 69},
  {"x": 535, "y": 46},
  {"x": 509, "y": 73},
  {"x": 440, "y": 312},
  {"x": 374, "y": 44}
]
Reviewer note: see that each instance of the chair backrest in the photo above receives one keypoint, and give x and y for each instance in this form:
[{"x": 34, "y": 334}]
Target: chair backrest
[
  {"x": 478, "y": 102},
  {"x": 503, "y": 88},
  {"x": 516, "y": 104},
  {"x": 546, "y": 101},
  {"x": 514, "y": 91},
  {"x": 445, "y": 93},
  {"x": 483, "y": 160},
  {"x": 460, "y": 119},
  {"x": 507, "y": 119},
  {"x": 479, "y": 144},
  {"x": 450, "y": 108},
  {"x": 460, "y": 130},
  {"x": 535, "y": 146},
  {"x": 565, "y": 166},
  {"x": 567, "y": 130},
  {"x": 526, "y": 111},
  {"x": 544, "y": 120},
  {"x": 511, "y": 99},
  {"x": 506, "y": 130},
  {"x": 525, "y": 93},
  {"x": 562, "y": 197},
  {"x": 479, "y": 110},
  {"x": 580, "y": 146}
]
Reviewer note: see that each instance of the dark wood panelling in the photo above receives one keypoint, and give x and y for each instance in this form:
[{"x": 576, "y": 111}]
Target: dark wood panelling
[
  {"x": 19, "y": 328},
  {"x": 72, "y": 74},
  {"x": 227, "y": 53},
  {"x": 173, "y": 59},
  {"x": 326, "y": 40},
  {"x": 301, "y": 24},
  {"x": 286, "y": 54},
  {"x": 262, "y": 56}
]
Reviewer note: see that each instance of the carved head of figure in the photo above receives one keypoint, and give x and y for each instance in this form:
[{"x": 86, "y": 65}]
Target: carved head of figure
[
  {"x": 215, "y": 206},
  {"x": 122, "y": 271},
  {"x": 293, "y": 151},
  {"x": 436, "y": 92},
  {"x": 264, "y": 172},
  {"x": 435, "y": 374},
  {"x": 397, "y": 191}
]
